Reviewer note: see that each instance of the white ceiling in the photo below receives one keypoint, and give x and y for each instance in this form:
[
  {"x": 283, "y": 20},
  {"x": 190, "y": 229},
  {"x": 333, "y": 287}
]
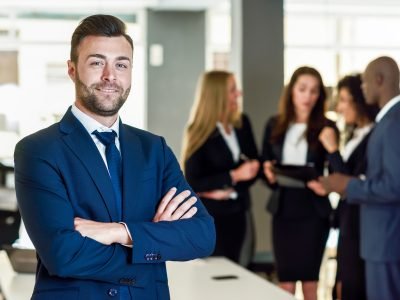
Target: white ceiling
[{"x": 83, "y": 6}]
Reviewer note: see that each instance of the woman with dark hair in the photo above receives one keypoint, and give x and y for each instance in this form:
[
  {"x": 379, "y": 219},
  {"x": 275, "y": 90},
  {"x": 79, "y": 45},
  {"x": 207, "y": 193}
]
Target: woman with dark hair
[
  {"x": 358, "y": 117},
  {"x": 300, "y": 222}
]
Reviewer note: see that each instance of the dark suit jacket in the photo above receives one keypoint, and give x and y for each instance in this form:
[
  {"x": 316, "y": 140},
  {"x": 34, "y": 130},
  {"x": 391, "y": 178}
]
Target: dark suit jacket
[
  {"x": 379, "y": 194},
  {"x": 208, "y": 169},
  {"x": 318, "y": 156},
  {"x": 60, "y": 175},
  {"x": 347, "y": 214}
]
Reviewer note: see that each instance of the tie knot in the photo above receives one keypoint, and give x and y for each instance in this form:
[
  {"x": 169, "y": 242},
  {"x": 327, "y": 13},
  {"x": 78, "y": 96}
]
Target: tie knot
[{"x": 106, "y": 138}]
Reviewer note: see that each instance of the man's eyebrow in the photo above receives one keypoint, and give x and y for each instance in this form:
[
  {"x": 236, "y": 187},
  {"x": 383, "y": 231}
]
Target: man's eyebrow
[
  {"x": 123, "y": 58},
  {"x": 101, "y": 56},
  {"x": 96, "y": 55}
]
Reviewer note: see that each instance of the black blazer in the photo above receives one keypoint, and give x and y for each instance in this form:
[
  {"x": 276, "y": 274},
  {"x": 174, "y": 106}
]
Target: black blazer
[
  {"x": 317, "y": 156},
  {"x": 208, "y": 169},
  {"x": 348, "y": 215}
]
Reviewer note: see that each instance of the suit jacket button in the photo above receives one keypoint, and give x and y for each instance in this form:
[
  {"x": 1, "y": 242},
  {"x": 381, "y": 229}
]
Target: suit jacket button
[{"x": 112, "y": 292}]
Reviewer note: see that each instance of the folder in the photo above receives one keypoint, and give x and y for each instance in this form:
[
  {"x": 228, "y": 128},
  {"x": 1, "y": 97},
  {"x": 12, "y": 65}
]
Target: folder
[{"x": 293, "y": 175}]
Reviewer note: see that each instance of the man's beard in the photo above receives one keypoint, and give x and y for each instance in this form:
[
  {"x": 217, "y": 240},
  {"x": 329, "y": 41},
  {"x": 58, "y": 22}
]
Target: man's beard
[{"x": 95, "y": 105}]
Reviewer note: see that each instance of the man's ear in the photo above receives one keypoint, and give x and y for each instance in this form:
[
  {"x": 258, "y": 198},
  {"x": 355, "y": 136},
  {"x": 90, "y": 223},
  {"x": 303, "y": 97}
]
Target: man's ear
[
  {"x": 71, "y": 70},
  {"x": 379, "y": 78}
]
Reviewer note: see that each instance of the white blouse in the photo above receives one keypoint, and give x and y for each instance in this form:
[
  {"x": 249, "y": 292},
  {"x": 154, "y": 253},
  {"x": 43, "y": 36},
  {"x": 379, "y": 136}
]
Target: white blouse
[
  {"x": 295, "y": 145},
  {"x": 358, "y": 136},
  {"x": 230, "y": 140}
]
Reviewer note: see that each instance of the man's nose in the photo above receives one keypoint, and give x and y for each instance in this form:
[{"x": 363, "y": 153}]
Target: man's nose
[{"x": 108, "y": 73}]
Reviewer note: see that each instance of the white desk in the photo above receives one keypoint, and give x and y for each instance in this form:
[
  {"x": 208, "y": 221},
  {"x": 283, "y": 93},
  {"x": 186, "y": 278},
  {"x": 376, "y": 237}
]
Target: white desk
[
  {"x": 13, "y": 285},
  {"x": 193, "y": 280},
  {"x": 190, "y": 280}
]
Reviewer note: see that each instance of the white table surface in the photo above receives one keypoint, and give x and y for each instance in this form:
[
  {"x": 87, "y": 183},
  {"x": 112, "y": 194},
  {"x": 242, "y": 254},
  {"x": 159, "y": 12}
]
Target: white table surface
[
  {"x": 193, "y": 280},
  {"x": 14, "y": 286},
  {"x": 189, "y": 280}
]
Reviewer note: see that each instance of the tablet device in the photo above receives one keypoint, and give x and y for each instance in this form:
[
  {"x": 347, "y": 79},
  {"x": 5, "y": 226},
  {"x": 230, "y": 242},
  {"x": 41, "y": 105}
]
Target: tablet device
[
  {"x": 22, "y": 260},
  {"x": 293, "y": 175}
]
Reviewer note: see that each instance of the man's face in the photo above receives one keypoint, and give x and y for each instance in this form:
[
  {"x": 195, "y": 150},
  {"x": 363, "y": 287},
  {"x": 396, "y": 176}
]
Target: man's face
[
  {"x": 369, "y": 87},
  {"x": 102, "y": 74}
]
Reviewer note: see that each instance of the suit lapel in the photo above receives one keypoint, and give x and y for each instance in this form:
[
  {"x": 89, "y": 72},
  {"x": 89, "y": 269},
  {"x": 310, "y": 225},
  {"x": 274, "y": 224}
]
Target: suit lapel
[
  {"x": 222, "y": 146},
  {"x": 79, "y": 141},
  {"x": 132, "y": 166}
]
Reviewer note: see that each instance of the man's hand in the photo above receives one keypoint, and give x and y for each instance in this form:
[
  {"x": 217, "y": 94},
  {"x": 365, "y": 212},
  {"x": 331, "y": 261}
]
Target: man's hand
[
  {"x": 335, "y": 182},
  {"x": 219, "y": 195},
  {"x": 171, "y": 209},
  {"x": 104, "y": 233}
]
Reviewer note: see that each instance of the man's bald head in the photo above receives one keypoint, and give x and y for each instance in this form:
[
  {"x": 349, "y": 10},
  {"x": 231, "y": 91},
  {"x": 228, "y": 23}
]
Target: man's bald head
[{"x": 381, "y": 80}]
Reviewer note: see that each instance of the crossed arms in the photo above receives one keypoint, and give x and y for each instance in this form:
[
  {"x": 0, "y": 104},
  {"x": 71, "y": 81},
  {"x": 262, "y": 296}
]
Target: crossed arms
[{"x": 85, "y": 249}]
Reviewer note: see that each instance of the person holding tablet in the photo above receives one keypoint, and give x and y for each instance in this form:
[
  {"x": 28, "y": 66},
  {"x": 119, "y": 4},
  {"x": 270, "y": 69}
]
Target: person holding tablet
[{"x": 300, "y": 219}]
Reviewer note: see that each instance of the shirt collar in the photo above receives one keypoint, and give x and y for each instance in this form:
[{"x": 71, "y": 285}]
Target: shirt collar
[
  {"x": 91, "y": 124},
  {"x": 384, "y": 110}
]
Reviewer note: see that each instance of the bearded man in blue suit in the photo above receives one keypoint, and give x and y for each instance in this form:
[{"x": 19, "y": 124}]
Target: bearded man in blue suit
[{"x": 105, "y": 204}]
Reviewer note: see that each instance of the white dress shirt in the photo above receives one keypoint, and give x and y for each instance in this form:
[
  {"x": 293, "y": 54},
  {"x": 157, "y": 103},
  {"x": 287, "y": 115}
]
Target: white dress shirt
[
  {"x": 295, "y": 145},
  {"x": 91, "y": 125},
  {"x": 386, "y": 108}
]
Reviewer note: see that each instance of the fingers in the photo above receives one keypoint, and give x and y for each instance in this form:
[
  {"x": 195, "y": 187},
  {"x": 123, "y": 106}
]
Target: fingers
[
  {"x": 190, "y": 213},
  {"x": 184, "y": 208},
  {"x": 164, "y": 202},
  {"x": 249, "y": 169},
  {"x": 168, "y": 209},
  {"x": 267, "y": 168},
  {"x": 176, "y": 201},
  {"x": 316, "y": 187},
  {"x": 217, "y": 194}
]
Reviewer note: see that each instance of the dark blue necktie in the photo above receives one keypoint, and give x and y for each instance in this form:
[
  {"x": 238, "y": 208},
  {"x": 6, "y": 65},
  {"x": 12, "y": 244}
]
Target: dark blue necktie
[
  {"x": 113, "y": 158},
  {"x": 114, "y": 164}
]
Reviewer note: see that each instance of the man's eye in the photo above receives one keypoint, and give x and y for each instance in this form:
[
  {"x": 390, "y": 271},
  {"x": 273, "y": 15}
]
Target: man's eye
[
  {"x": 122, "y": 66},
  {"x": 96, "y": 63}
]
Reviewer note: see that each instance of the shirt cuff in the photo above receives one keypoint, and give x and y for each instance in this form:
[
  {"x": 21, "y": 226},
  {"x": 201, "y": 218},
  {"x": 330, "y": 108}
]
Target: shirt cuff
[{"x": 129, "y": 234}]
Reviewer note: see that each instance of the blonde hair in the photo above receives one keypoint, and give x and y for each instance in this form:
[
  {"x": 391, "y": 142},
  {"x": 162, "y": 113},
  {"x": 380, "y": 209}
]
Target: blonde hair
[{"x": 209, "y": 107}]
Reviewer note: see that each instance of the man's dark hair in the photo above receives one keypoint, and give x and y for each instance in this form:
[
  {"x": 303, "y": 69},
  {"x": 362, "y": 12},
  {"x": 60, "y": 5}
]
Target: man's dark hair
[{"x": 97, "y": 25}]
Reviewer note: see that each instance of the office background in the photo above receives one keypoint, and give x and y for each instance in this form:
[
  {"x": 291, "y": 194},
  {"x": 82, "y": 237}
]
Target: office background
[{"x": 175, "y": 41}]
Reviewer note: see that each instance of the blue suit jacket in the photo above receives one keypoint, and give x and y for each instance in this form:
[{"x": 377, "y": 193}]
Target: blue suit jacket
[
  {"x": 379, "y": 194},
  {"x": 60, "y": 175}
]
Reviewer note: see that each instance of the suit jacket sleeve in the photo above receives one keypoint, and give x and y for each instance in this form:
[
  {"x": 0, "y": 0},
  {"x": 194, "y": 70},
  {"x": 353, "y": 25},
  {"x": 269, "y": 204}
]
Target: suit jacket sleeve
[
  {"x": 384, "y": 188},
  {"x": 179, "y": 240},
  {"x": 267, "y": 152},
  {"x": 194, "y": 166}
]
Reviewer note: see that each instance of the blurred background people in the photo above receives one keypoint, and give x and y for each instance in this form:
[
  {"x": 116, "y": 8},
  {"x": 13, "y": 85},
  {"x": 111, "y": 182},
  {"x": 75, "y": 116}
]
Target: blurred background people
[
  {"x": 220, "y": 159},
  {"x": 379, "y": 192},
  {"x": 359, "y": 119},
  {"x": 300, "y": 219}
]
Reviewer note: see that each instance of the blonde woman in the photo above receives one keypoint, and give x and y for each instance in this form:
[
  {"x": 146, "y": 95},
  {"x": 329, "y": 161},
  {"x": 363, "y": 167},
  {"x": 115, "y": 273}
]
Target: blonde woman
[{"x": 220, "y": 158}]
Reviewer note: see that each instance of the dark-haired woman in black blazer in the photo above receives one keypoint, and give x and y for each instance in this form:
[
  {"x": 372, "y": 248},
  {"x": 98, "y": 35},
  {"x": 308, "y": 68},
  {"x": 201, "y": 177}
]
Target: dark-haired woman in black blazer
[
  {"x": 300, "y": 223},
  {"x": 220, "y": 160},
  {"x": 358, "y": 117}
]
